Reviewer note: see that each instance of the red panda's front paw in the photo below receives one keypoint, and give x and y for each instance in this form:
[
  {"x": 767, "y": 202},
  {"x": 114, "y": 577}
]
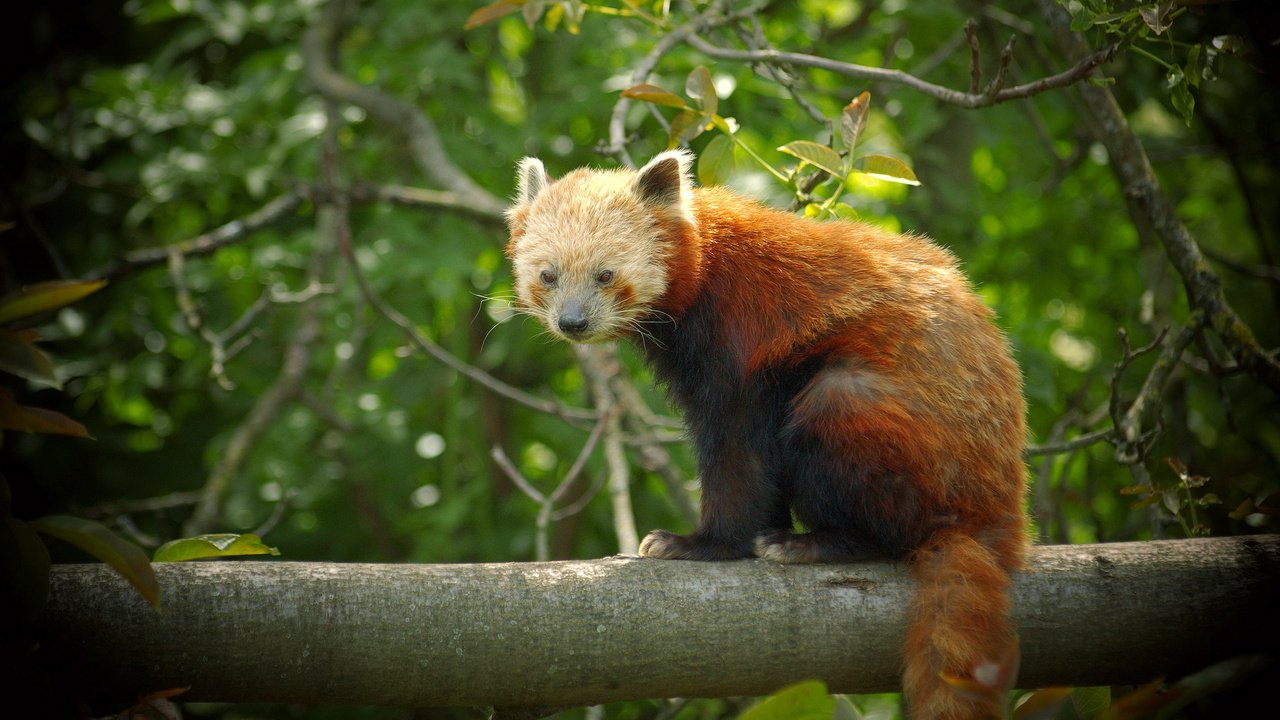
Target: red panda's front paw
[{"x": 670, "y": 546}]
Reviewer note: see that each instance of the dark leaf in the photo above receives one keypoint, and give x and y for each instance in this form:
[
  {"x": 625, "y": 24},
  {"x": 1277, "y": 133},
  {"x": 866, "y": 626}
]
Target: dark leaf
[
  {"x": 853, "y": 119},
  {"x": 654, "y": 94},
  {"x": 98, "y": 541},
  {"x": 44, "y": 296},
  {"x": 491, "y": 12},
  {"x": 36, "y": 420},
  {"x": 19, "y": 356}
]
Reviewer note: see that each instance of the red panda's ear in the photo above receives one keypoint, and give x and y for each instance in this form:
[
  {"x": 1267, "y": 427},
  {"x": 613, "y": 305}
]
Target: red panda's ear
[
  {"x": 664, "y": 182},
  {"x": 531, "y": 179}
]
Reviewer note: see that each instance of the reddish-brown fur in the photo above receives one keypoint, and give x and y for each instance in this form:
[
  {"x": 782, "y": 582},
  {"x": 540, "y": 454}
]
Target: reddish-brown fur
[{"x": 849, "y": 375}]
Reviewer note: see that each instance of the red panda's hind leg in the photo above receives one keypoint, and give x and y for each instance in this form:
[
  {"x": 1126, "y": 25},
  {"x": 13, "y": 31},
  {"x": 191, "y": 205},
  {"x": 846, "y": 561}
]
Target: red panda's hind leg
[{"x": 818, "y": 546}]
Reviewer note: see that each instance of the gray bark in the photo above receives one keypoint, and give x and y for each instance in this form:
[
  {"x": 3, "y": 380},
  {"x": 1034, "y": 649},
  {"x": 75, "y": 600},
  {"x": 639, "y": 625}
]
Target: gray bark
[{"x": 587, "y": 632}]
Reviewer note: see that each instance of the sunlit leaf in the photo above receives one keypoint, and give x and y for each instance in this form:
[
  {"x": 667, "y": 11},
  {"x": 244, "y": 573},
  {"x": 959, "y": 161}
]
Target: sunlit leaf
[
  {"x": 888, "y": 168},
  {"x": 645, "y": 92},
  {"x": 554, "y": 15},
  {"x": 98, "y": 541},
  {"x": 45, "y": 296},
  {"x": 36, "y": 420},
  {"x": 19, "y": 356},
  {"x": 853, "y": 118},
  {"x": 700, "y": 87},
  {"x": 491, "y": 12},
  {"x": 716, "y": 163},
  {"x": 815, "y": 154},
  {"x": 211, "y": 546},
  {"x": 802, "y": 701}
]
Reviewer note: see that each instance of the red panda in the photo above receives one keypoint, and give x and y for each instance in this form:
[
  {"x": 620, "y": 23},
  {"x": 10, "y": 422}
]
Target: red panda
[{"x": 831, "y": 372}]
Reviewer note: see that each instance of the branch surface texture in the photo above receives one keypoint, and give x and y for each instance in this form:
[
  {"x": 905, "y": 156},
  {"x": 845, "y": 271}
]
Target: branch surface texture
[{"x": 588, "y": 632}]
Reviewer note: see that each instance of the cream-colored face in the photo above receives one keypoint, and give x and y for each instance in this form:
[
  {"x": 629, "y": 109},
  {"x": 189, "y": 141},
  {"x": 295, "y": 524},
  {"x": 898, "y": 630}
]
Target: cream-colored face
[{"x": 587, "y": 250}]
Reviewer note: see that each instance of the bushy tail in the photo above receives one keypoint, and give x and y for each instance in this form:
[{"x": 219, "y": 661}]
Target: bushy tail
[{"x": 959, "y": 622}]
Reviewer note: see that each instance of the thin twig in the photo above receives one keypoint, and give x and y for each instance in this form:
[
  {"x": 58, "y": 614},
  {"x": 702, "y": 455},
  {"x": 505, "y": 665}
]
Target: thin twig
[{"x": 975, "y": 55}]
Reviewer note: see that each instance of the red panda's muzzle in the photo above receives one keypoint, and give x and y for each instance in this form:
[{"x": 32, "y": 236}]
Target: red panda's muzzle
[{"x": 573, "y": 318}]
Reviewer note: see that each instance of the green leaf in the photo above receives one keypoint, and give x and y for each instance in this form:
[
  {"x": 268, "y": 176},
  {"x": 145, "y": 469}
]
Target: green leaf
[
  {"x": 1089, "y": 702},
  {"x": 645, "y": 92},
  {"x": 20, "y": 356},
  {"x": 1042, "y": 704},
  {"x": 1194, "y": 69},
  {"x": 45, "y": 296},
  {"x": 1180, "y": 94},
  {"x": 700, "y": 87},
  {"x": 211, "y": 546},
  {"x": 715, "y": 164},
  {"x": 685, "y": 127},
  {"x": 806, "y": 700},
  {"x": 98, "y": 541},
  {"x": 815, "y": 154},
  {"x": 884, "y": 167},
  {"x": 853, "y": 119},
  {"x": 36, "y": 420},
  {"x": 1082, "y": 20}
]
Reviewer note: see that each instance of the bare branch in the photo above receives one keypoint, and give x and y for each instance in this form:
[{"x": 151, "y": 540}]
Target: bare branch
[
  {"x": 424, "y": 140},
  {"x": 1130, "y": 446},
  {"x": 204, "y": 244},
  {"x": 1070, "y": 76},
  {"x": 600, "y": 365},
  {"x": 1076, "y": 443}
]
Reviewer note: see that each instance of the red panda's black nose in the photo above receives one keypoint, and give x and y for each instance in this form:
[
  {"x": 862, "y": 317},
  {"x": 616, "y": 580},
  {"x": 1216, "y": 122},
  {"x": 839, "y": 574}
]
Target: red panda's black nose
[{"x": 573, "y": 318}]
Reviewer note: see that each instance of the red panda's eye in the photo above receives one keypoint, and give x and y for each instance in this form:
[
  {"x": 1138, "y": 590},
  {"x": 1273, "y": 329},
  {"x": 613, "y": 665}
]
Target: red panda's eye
[
  {"x": 605, "y": 277},
  {"x": 548, "y": 278}
]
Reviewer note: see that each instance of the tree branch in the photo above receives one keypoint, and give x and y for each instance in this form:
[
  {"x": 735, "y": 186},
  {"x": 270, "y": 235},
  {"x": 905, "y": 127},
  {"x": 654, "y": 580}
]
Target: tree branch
[
  {"x": 1150, "y": 206},
  {"x": 424, "y": 140},
  {"x": 587, "y": 632},
  {"x": 969, "y": 100},
  {"x": 204, "y": 244}
]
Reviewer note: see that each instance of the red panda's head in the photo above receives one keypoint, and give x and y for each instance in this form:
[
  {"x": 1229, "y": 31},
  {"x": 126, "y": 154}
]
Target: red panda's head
[{"x": 592, "y": 251}]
